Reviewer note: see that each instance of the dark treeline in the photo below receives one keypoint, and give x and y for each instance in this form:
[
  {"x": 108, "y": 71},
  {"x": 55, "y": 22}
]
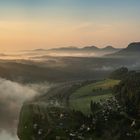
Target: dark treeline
[
  {"x": 116, "y": 118},
  {"x": 121, "y": 113}
]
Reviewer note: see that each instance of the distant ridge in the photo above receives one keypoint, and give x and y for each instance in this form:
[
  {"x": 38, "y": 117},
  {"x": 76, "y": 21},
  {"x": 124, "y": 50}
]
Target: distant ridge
[
  {"x": 93, "y": 48},
  {"x": 2, "y": 54},
  {"x": 39, "y": 50},
  {"x": 132, "y": 50},
  {"x": 86, "y": 48},
  {"x": 109, "y": 48},
  {"x": 135, "y": 46},
  {"x": 70, "y": 48},
  {"x": 86, "y": 51}
]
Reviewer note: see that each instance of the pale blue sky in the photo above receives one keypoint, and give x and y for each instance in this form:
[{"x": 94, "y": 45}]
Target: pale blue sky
[{"x": 69, "y": 22}]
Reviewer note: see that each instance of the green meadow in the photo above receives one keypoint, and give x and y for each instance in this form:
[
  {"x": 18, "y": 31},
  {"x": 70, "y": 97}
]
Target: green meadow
[{"x": 81, "y": 98}]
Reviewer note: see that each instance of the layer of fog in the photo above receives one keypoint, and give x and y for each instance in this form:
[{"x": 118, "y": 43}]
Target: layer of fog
[
  {"x": 131, "y": 66},
  {"x": 12, "y": 96},
  {"x": 134, "y": 66},
  {"x": 4, "y": 135},
  {"x": 39, "y": 55}
]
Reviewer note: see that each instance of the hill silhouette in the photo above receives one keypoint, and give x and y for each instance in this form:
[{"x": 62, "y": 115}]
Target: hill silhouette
[{"x": 132, "y": 50}]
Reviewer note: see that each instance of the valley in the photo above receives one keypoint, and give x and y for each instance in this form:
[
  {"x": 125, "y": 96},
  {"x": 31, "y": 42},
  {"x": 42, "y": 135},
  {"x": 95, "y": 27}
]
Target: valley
[{"x": 68, "y": 94}]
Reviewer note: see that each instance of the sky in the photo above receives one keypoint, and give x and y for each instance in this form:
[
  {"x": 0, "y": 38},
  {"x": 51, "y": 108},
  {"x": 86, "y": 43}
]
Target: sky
[{"x": 31, "y": 24}]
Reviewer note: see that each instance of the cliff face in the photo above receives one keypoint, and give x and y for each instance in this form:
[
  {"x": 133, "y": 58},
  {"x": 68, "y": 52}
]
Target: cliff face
[
  {"x": 134, "y": 47},
  {"x": 131, "y": 51}
]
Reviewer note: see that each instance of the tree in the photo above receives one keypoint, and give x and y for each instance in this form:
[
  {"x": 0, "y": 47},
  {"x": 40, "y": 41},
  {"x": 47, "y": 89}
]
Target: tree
[
  {"x": 128, "y": 93},
  {"x": 119, "y": 74}
]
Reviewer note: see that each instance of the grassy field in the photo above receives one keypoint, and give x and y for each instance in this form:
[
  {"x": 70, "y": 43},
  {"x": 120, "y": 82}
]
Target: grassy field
[{"x": 81, "y": 98}]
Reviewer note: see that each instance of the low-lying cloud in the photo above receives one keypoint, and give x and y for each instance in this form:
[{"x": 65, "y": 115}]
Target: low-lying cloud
[
  {"x": 7, "y": 136},
  {"x": 12, "y": 96}
]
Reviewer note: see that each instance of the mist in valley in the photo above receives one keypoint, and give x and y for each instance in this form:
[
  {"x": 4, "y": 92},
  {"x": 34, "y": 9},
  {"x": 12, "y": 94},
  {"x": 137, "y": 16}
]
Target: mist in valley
[
  {"x": 29, "y": 74},
  {"x": 12, "y": 97}
]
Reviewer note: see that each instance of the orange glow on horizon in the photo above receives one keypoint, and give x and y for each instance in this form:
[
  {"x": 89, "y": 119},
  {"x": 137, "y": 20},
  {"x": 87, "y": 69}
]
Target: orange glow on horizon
[{"x": 19, "y": 35}]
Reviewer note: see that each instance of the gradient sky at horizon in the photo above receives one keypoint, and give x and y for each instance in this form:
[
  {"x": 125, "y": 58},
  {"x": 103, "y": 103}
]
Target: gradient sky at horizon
[{"x": 30, "y": 24}]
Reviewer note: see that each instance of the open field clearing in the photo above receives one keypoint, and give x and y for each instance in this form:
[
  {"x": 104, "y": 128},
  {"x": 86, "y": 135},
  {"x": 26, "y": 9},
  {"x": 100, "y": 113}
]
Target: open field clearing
[{"x": 81, "y": 98}]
